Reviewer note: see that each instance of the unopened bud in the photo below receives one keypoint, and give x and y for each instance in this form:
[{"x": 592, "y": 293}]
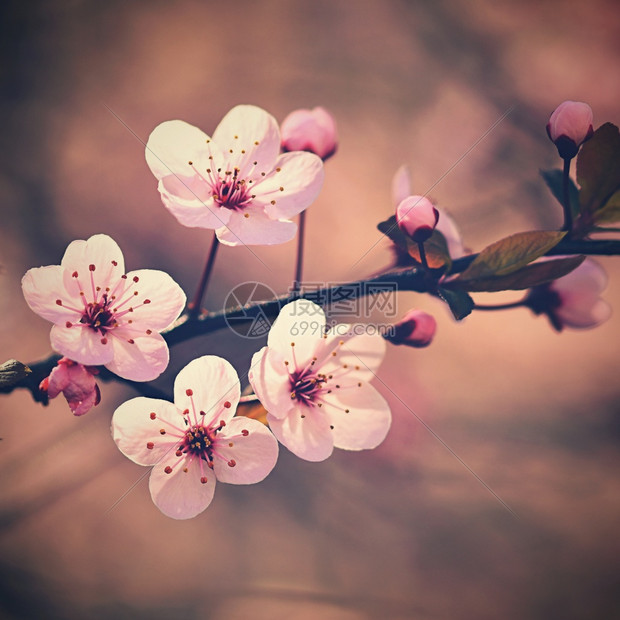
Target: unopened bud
[
  {"x": 416, "y": 329},
  {"x": 569, "y": 127},
  {"x": 417, "y": 217},
  {"x": 310, "y": 130}
]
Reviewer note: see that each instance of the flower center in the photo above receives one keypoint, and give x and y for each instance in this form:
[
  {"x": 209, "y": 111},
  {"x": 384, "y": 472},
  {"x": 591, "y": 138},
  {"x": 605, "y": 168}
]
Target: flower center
[
  {"x": 198, "y": 441},
  {"x": 98, "y": 316},
  {"x": 306, "y": 385},
  {"x": 231, "y": 192}
]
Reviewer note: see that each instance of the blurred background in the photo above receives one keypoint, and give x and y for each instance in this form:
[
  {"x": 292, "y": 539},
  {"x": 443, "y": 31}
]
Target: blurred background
[{"x": 401, "y": 532}]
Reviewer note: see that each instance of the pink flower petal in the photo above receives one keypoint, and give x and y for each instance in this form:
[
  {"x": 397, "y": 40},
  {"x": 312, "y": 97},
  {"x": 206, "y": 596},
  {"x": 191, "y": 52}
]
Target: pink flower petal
[
  {"x": 364, "y": 352},
  {"x": 82, "y": 345},
  {"x": 42, "y": 286},
  {"x": 134, "y": 429},
  {"x": 292, "y": 186},
  {"x": 401, "y": 185},
  {"x": 309, "y": 438},
  {"x": 367, "y": 421},
  {"x": 265, "y": 375},
  {"x": 165, "y": 297},
  {"x": 99, "y": 250},
  {"x": 195, "y": 211},
  {"x": 212, "y": 382},
  {"x": 144, "y": 359},
  {"x": 301, "y": 322},
  {"x": 254, "y": 452},
  {"x": 181, "y": 494},
  {"x": 172, "y": 145},
  {"x": 255, "y": 229},
  {"x": 253, "y": 136}
]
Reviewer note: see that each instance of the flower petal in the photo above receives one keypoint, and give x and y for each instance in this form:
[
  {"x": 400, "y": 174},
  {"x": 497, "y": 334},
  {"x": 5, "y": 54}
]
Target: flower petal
[
  {"x": 181, "y": 494},
  {"x": 81, "y": 344},
  {"x": 100, "y": 251},
  {"x": 367, "y": 421},
  {"x": 365, "y": 351},
  {"x": 268, "y": 378},
  {"x": 212, "y": 382},
  {"x": 253, "y": 227},
  {"x": 292, "y": 186},
  {"x": 301, "y": 322},
  {"x": 144, "y": 359},
  {"x": 166, "y": 298},
  {"x": 254, "y": 452},
  {"x": 401, "y": 185},
  {"x": 249, "y": 134},
  {"x": 308, "y": 437},
  {"x": 195, "y": 211},
  {"x": 172, "y": 145},
  {"x": 42, "y": 286},
  {"x": 134, "y": 428}
]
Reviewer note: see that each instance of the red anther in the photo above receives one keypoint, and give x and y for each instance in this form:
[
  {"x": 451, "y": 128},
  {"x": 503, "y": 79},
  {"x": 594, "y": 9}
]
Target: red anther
[
  {"x": 168, "y": 469},
  {"x": 232, "y": 463},
  {"x": 179, "y": 453},
  {"x": 59, "y": 302},
  {"x": 91, "y": 267},
  {"x": 68, "y": 324},
  {"x": 74, "y": 274},
  {"x": 115, "y": 263},
  {"x": 136, "y": 278},
  {"x": 245, "y": 432},
  {"x": 189, "y": 392},
  {"x": 131, "y": 341},
  {"x": 104, "y": 341},
  {"x": 149, "y": 332},
  {"x": 204, "y": 480},
  {"x": 162, "y": 431},
  {"x": 153, "y": 415},
  {"x": 203, "y": 412},
  {"x": 222, "y": 424},
  {"x": 150, "y": 445},
  {"x": 227, "y": 405},
  {"x": 146, "y": 301}
]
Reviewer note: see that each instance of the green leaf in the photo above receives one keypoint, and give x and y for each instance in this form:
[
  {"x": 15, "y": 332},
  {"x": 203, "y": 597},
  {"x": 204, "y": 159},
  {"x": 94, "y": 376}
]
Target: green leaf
[
  {"x": 531, "y": 275},
  {"x": 610, "y": 211},
  {"x": 436, "y": 247},
  {"x": 436, "y": 250},
  {"x": 511, "y": 254},
  {"x": 598, "y": 170},
  {"x": 461, "y": 304},
  {"x": 391, "y": 229},
  {"x": 554, "y": 180},
  {"x": 12, "y": 372}
]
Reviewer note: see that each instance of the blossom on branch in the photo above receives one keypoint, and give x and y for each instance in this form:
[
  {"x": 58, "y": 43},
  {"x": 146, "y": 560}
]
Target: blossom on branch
[
  {"x": 310, "y": 130},
  {"x": 417, "y": 217},
  {"x": 235, "y": 182},
  {"x": 416, "y": 329},
  {"x": 570, "y": 126},
  {"x": 401, "y": 189},
  {"x": 77, "y": 384},
  {"x": 102, "y": 315},
  {"x": 196, "y": 440},
  {"x": 315, "y": 384},
  {"x": 574, "y": 299}
]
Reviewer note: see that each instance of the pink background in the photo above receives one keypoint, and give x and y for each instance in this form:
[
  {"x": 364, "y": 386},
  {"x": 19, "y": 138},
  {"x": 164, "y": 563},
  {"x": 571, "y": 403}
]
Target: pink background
[{"x": 401, "y": 532}]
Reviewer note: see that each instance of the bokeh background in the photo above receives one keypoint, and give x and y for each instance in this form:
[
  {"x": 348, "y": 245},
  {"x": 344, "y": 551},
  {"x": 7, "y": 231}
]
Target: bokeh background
[{"x": 404, "y": 531}]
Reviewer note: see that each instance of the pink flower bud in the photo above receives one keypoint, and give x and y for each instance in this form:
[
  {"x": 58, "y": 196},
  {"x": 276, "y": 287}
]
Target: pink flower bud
[
  {"x": 415, "y": 329},
  {"x": 310, "y": 130},
  {"x": 76, "y": 382},
  {"x": 573, "y": 300},
  {"x": 569, "y": 127},
  {"x": 417, "y": 217}
]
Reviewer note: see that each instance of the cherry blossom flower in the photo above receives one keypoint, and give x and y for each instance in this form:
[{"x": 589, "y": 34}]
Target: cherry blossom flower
[
  {"x": 310, "y": 130},
  {"x": 315, "y": 385},
  {"x": 235, "y": 182},
  {"x": 570, "y": 126},
  {"x": 196, "y": 440},
  {"x": 401, "y": 189},
  {"x": 103, "y": 316},
  {"x": 416, "y": 329},
  {"x": 574, "y": 299},
  {"x": 77, "y": 384}
]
